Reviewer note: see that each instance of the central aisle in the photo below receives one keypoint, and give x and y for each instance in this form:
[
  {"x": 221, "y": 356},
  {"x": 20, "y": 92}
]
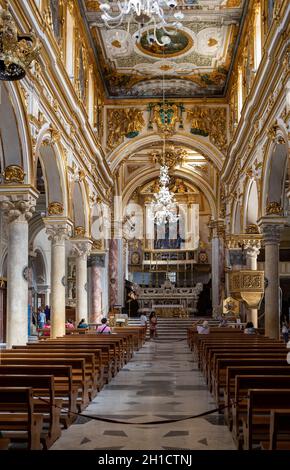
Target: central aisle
[{"x": 160, "y": 382}]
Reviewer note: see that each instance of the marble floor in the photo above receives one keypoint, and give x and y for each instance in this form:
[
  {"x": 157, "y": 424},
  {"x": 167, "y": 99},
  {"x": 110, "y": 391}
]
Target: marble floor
[{"x": 160, "y": 382}]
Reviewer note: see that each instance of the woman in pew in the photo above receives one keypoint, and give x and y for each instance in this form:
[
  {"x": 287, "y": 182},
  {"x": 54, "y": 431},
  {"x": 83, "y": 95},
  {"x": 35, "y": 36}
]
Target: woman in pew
[
  {"x": 203, "y": 329},
  {"x": 249, "y": 329},
  {"x": 83, "y": 324}
]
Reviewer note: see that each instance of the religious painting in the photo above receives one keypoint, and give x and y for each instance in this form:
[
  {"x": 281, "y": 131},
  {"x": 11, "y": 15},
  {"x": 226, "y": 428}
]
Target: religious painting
[{"x": 180, "y": 42}]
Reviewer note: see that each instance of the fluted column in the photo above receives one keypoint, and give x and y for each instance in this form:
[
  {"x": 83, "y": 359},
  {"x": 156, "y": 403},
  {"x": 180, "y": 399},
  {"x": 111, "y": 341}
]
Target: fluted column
[
  {"x": 252, "y": 248},
  {"x": 271, "y": 230},
  {"x": 58, "y": 230},
  {"x": 217, "y": 228},
  {"x": 81, "y": 249},
  {"x": 18, "y": 209}
]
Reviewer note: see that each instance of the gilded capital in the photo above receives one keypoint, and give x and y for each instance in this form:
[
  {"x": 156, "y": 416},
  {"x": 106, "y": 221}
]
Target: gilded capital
[
  {"x": 55, "y": 208},
  {"x": 79, "y": 231},
  {"x": 274, "y": 208}
]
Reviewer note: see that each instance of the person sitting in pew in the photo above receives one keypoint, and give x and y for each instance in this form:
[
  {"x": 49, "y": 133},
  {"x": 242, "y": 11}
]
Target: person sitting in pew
[
  {"x": 104, "y": 328},
  {"x": 203, "y": 329},
  {"x": 46, "y": 328},
  {"x": 249, "y": 329},
  {"x": 83, "y": 324},
  {"x": 70, "y": 325}
]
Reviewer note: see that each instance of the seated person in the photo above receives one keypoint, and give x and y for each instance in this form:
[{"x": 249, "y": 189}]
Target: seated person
[
  {"x": 223, "y": 322},
  {"x": 104, "y": 328},
  {"x": 69, "y": 325},
  {"x": 46, "y": 328},
  {"x": 249, "y": 329},
  {"x": 203, "y": 329},
  {"x": 83, "y": 324}
]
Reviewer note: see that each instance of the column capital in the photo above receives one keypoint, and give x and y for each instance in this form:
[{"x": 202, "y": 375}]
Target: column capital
[
  {"x": 81, "y": 247},
  {"x": 18, "y": 202},
  {"x": 217, "y": 228},
  {"x": 271, "y": 227},
  {"x": 58, "y": 229},
  {"x": 245, "y": 240}
]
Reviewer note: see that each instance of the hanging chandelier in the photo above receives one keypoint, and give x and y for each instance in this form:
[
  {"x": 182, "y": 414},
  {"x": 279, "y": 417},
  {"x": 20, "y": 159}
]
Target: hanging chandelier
[
  {"x": 159, "y": 14},
  {"x": 164, "y": 208},
  {"x": 17, "y": 51}
]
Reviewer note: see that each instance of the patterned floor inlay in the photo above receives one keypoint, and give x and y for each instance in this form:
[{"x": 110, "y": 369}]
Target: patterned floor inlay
[{"x": 164, "y": 384}]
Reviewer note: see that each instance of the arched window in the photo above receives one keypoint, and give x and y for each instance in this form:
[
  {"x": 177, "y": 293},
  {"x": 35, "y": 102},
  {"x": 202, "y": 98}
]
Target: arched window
[
  {"x": 240, "y": 91},
  {"x": 258, "y": 37}
]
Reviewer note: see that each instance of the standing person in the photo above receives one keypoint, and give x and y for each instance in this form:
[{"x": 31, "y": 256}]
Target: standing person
[
  {"x": 285, "y": 331},
  {"x": 249, "y": 329},
  {"x": 153, "y": 325},
  {"x": 47, "y": 312},
  {"x": 104, "y": 328},
  {"x": 143, "y": 319},
  {"x": 41, "y": 318}
]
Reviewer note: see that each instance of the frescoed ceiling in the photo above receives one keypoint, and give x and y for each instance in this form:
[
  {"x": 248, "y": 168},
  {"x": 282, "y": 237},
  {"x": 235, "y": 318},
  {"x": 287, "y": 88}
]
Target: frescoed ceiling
[{"x": 194, "y": 64}]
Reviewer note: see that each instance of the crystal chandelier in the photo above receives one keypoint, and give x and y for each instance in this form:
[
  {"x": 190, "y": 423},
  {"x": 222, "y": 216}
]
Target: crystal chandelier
[
  {"x": 17, "y": 51},
  {"x": 164, "y": 208},
  {"x": 159, "y": 14}
]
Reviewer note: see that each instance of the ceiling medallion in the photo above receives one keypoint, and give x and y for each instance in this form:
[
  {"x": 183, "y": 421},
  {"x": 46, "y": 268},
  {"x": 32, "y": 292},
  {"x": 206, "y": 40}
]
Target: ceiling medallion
[
  {"x": 171, "y": 158},
  {"x": 17, "y": 51},
  {"x": 179, "y": 42},
  {"x": 160, "y": 14}
]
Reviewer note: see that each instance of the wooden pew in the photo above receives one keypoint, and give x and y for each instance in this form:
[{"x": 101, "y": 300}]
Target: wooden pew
[
  {"x": 20, "y": 426},
  {"x": 243, "y": 383},
  {"x": 63, "y": 385},
  {"x": 256, "y": 424},
  {"x": 232, "y": 372},
  {"x": 43, "y": 386},
  {"x": 279, "y": 438},
  {"x": 79, "y": 375}
]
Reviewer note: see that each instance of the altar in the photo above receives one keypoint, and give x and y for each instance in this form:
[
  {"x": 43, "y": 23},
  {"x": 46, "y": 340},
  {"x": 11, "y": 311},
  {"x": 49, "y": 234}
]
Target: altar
[
  {"x": 169, "y": 300},
  {"x": 170, "y": 310}
]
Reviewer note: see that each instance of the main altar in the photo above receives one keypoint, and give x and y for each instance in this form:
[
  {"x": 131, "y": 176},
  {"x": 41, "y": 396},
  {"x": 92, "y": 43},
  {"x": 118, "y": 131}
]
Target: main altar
[{"x": 169, "y": 300}]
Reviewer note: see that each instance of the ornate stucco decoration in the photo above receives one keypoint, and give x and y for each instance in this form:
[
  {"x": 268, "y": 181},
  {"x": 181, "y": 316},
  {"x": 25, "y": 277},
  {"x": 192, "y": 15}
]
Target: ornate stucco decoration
[
  {"x": 209, "y": 122},
  {"x": 252, "y": 229},
  {"x": 165, "y": 115},
  {"x": 274, "y": 208},
  {"x": 79, "y": 231},
  {"x": 172, "y": 157},
  {"x": 98, "y": 245},
  {"x": 123, "y": 123},
  {"x": 55, "y": 208},
  {"x": 14, "y": 174}
]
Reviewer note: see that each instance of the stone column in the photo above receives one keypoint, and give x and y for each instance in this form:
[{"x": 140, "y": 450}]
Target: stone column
[
  {"x": 113, "y": 272},
  {"x": 97, "y": 263},
  {"x": 252, "y": 248},
  {"x": 271, "y": 229},
  {"x": 217, "y": 263},
  {"x": 18, "y": 206},
  {"x": 58, "y": 230},
  {"x": 81, "y": 250}
]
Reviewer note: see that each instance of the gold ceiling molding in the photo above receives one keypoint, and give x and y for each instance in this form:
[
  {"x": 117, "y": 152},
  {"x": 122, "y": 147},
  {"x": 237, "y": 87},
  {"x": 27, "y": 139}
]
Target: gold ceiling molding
[
  {"x": 123, "y": 123},
  {"x": 210, "y": 122},
  {"x": 55, "y": 208},
  {"x": 93, "y": 5},
  {"x": 14, "y": 174}
]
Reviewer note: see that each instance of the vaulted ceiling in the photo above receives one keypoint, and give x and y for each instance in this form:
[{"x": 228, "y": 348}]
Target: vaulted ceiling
[{"x": 196, "y": 63}]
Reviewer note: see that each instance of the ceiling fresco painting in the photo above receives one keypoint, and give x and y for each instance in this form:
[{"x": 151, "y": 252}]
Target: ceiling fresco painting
[{"x": 194, "y": 63}]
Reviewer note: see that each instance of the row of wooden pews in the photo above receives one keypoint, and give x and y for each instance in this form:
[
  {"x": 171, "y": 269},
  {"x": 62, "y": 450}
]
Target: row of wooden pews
[
  {"x": 249, "y": 378},
  {"x": 44, "y": 385}
]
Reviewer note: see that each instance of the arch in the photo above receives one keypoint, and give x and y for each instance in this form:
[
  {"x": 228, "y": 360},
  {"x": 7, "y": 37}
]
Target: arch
[
  {"x": 79, "y": 206},
  {"x": 49, "y": 153},
  {"x": 192, "y": 178},
  {"x": 275, "y": 172},
  {"x": 39, "y": 267},
  {"x": 194, "y": 142},
  {"x": 236, "y": 220},
  {"x": 251, "y": 204},
  {"x": 15, "y": 141}
]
